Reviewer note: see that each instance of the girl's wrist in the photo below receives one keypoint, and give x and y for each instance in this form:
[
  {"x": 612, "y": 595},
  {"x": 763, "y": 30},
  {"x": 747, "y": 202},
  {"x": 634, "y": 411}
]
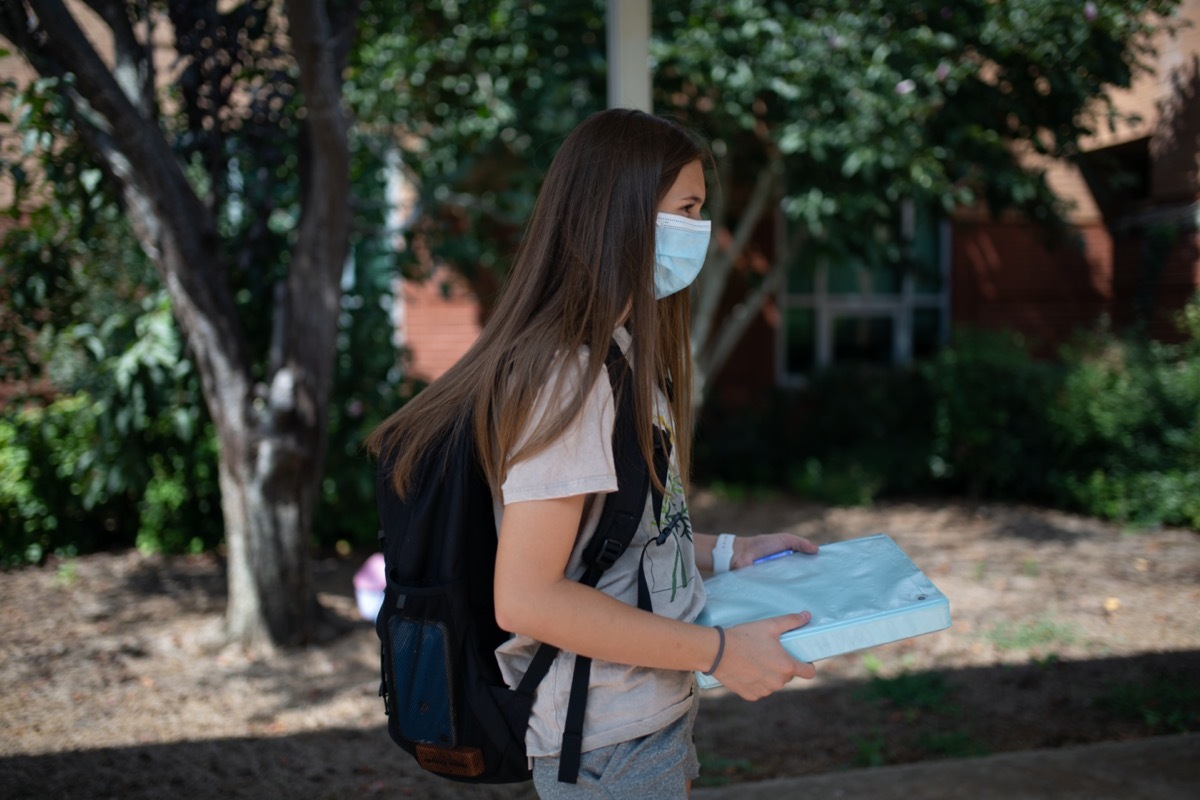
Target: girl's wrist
[
  {"x": 720, "y": 650},
  {"x": 722, "y": 553}
]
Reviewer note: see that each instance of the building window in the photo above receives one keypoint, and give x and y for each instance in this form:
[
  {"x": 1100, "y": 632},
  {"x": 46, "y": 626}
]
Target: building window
[{"x": 853, "y": 312}]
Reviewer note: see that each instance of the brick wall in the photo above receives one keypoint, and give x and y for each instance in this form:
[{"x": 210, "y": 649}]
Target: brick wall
[
  {"x": 1005, "y": 275},
  {"x": 438, "y": 319}
]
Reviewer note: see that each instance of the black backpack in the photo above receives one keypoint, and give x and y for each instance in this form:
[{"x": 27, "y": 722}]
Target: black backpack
[{"x": 446, "y": 701}]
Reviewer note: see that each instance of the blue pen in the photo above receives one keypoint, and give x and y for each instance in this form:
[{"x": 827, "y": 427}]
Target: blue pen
[{"x": 773, "y": 556}]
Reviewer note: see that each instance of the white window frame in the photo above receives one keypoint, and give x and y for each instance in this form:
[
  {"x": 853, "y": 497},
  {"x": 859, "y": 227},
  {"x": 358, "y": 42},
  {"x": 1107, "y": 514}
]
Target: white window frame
[{"x": 829, "y": 308}]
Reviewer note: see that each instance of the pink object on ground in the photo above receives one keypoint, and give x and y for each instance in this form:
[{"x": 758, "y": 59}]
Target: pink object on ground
[{"x": 369, "y": 583}]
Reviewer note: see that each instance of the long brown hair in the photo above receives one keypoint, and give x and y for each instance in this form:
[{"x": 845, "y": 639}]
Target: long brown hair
[{"x": 587, "y": 259}]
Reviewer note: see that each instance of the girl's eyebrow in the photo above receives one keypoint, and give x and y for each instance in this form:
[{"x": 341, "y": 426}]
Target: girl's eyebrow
[{"x": 694, "y": 198}]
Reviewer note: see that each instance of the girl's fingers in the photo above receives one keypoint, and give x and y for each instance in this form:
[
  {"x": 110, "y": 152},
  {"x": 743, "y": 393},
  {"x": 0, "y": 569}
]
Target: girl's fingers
[
  {"x": 805, "y": 546},
  {"x": 790, "y": 622}
]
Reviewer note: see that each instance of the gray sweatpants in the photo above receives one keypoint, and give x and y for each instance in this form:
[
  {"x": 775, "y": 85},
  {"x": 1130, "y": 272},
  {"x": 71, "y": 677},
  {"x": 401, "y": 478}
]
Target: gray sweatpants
[{"x": 658, "y": 765}]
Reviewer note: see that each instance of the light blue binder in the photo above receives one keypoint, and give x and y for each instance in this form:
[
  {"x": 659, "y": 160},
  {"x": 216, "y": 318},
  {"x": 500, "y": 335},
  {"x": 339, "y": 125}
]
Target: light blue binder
[{"x": 861, "y": 593}]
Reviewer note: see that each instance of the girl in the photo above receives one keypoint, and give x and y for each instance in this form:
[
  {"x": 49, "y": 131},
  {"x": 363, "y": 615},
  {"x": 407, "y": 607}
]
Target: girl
[{"x": 615, "y": 238}]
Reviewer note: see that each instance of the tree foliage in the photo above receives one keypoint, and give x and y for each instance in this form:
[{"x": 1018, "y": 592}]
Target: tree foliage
[
  {"x": 870, "y": 102},
  {"x": 832, "y": 111},
  {"x": 844, "y": 109},
  {"x": 476, "y": 97}
]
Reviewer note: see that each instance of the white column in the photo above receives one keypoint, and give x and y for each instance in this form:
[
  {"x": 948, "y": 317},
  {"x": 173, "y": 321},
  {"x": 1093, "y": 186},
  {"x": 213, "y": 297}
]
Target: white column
[{"x": 628, "y": 29}]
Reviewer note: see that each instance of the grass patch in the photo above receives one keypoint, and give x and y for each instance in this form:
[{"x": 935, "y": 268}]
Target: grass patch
[
  {"x": 869, "y": 751},
  {"x": 1163, "y": 704},
  {"x": 717, "y": 771},
  {"x": 1031, "y": 635},
  {"x": 952, "y": 744},
  {"x": 67, "y": 573},
  {"x": 1048, "y": 661},
  {"x": 919, "y": 691},
  {"x": 871, "y": 663}
]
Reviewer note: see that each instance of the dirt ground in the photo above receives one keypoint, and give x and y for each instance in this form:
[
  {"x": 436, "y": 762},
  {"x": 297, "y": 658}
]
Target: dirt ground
[{"x": 1065, "y": 630}]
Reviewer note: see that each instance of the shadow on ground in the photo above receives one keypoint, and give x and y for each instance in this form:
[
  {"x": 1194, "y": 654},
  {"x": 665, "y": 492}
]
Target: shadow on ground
[{"x": 909, "y": 718}]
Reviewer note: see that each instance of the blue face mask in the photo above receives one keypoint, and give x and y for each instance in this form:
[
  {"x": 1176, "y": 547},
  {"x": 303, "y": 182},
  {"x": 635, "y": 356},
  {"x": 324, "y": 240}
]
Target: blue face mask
[{"x": 680, "y": 245}]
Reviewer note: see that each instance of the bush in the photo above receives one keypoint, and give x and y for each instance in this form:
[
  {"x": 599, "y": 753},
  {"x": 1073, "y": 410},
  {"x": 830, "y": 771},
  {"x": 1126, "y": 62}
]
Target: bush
[
  {"x": 125, "y": 455},
  {"x": 28, "y": 489},
  {"x": 868, "y": 431},
  {"x": 1110, "y": 429},
  {"x": 750, "y": 446},
  {"x": 851, "y": 436},
  {"x": 1128, "y": 424},
  {"x": 51, "y": 498},
  {"x": 65, "y": 488},
  {"x": 990, "y": 431}
]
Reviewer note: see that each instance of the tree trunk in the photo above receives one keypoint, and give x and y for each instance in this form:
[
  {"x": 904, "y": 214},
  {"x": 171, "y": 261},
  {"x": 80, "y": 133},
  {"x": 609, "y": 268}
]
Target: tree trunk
[
  {"x": 267, "y": 498},
  {"x": 271, "y": 436},
  {"x": 712, "y": 344}
]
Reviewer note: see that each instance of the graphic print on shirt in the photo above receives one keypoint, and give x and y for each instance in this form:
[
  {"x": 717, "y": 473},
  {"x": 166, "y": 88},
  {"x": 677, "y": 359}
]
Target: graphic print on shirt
[{"x": 665, "y": 565}]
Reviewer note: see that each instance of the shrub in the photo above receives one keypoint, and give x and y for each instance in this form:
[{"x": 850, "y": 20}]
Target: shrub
[
  {"x": 66, "y": 488},
  {"x": 990, "y": 429},
  {"x": 53, "y": 496},
  {"x": 868, "y": 433},
  {"x": 1128, "y": 424},
  {"x": 853, "y": 434},
  {"x": 751, "y": 446},
  {"x": 1111, "y": 428}
]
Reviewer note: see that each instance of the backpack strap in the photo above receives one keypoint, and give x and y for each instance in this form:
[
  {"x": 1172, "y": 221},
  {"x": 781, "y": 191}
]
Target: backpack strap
[
  {"x": 623, "y": 509},
  {"x": 619, "y": 521}
]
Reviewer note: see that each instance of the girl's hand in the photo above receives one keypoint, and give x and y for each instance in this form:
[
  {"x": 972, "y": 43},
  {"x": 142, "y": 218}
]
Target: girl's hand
[
  {"x": 747, "y": 549},
  {"x": 754, "y": 663}
]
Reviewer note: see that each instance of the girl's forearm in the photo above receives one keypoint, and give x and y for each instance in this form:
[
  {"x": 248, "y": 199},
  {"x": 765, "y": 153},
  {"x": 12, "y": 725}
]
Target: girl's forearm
[
  {"x": 704, "y": 544},
  {"x": 535, "y": 598},
  {"x": 583, "y": 620}
]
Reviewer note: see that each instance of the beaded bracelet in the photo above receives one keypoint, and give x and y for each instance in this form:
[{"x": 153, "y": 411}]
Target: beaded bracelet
[{"x": 720, "y": 650}]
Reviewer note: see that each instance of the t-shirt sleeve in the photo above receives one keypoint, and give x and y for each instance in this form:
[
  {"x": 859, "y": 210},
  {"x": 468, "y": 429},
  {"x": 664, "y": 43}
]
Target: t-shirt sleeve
[{"x": 578, "y": 462}]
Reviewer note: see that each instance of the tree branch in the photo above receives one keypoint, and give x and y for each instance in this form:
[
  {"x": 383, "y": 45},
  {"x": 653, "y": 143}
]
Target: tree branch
[
  {"x": 153, "y": 163},
  {"x": 134, "y": 67},
  {"x": 716, "y": 271},
  {"x": 309, "y": 328},
  {"x": 172, "y": 225},
  {"x": 735, "y": 325}
]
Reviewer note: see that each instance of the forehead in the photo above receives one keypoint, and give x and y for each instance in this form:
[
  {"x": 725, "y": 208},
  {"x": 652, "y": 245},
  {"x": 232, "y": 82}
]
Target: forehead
[{"x": 689, "y": 182}]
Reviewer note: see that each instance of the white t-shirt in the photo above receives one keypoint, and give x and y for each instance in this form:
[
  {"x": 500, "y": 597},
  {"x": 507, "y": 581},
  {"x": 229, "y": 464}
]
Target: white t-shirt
[{"x": 624, "y": 702}]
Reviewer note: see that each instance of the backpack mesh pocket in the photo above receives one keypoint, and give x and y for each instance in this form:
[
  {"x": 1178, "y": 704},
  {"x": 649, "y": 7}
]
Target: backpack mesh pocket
[{"x": 422, "y": 681}]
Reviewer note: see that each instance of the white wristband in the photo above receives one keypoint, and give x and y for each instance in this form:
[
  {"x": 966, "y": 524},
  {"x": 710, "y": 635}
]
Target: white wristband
[{"x": 722, "y": 553}]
